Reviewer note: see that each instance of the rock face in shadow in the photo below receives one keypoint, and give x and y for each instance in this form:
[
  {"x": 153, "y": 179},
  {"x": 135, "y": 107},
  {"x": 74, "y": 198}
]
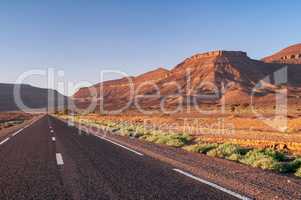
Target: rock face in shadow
[
  {"x": 32, "y": 97},
  {"x": 205, "y": 78}
]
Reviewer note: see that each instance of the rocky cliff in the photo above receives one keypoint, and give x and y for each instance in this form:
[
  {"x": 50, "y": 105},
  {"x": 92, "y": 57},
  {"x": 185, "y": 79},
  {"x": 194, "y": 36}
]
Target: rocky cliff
[
  {"x": 289, "y": 55},
  {"x": 210, "y": 77}
]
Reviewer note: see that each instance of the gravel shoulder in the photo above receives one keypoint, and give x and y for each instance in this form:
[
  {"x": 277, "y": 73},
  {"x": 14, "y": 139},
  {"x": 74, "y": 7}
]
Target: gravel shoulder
[
  {"x": 7, "y": 131},
  {"x": 252, "y": 182}
]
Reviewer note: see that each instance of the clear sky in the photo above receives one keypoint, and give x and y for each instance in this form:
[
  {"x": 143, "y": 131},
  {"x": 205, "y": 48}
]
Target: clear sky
[{"x": 84, "y": 37}]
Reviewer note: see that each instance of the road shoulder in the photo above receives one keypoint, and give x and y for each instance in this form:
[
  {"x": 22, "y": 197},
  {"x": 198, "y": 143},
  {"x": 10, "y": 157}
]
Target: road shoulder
[{"x": 252, "y": 182}]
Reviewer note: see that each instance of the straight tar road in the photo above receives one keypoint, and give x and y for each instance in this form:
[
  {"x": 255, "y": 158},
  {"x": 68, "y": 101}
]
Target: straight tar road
[{"x": 50, "y": 160}]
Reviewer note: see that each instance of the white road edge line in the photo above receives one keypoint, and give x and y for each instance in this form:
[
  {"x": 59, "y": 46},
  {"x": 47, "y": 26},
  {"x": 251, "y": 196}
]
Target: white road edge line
[
  {"x": 213, "y": 185},
  {"x": 131, "y": 150},
  {"x": 53, "y": 139},
  {"x": 136, "y": 152},
  {"x": 59, "y": 159},
  {"x": 25, "y": 127},
  {"x": 4, "y": 141},
  {"x": 17, "y": 132}
]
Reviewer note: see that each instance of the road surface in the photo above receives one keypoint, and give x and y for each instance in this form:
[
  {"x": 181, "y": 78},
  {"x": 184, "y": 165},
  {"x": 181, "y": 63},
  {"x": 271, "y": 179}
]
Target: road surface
[{"x": 50, "y": 160}]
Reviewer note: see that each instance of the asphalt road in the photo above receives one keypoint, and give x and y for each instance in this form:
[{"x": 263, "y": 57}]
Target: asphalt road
[{"x": 50, "y": 160}]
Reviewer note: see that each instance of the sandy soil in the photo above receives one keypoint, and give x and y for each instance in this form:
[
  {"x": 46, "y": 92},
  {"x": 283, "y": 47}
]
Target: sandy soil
[
  {"x": 278, "y": 133},
  {"x": 13, "y": 121}
]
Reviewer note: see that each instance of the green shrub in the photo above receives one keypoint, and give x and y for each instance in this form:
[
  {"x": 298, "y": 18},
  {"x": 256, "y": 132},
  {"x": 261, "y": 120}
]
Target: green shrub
[
  {"x": 163, "y": 139},
  {"x": 277, "y": 155},
  {"x": 291, "y": 166},
  {"x": 125, "y": 132},
  {"x": 175, "y": 140},
  {"x": 130, "y": 129},
  {"x": 150, "y": 138},
  {"x": 252, "y": 156},
  {"x": 259, "y": 158},
  {"x": 137, "y": 134},
  {"x": 204, "y": 148},
  {"x": 226, "y": 150},
  {"x": 298, "y": 172},
  {"x": 115, "y": 130},
  {"x": 235, "y": 157},
  {"x": 284, "y": 167},
  {"x": 175, "y": 143},
  {"x": 201, "y": 148},
  {"x": 184, "y": 138},
  {"x": 192, "y": 148},
  {"x": 140, "y": 130},
  {"x": 266, "y": 163},
  {"x": 295, "y": 164}
]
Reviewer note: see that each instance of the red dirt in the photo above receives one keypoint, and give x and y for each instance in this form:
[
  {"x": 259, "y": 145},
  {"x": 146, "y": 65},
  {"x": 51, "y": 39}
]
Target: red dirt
[
  {"x": 290, "y": 55},
  {"x": 14, "y": 116},
  {"x": 195, "y": 81}
]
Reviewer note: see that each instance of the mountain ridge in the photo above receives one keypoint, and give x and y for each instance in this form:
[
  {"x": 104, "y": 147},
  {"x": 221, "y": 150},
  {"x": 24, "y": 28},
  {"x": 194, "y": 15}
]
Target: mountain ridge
[
  {"x": 289, "y": 55},
  {"x": 32, "y": 97},
  {"x": 216, "y": 75}
]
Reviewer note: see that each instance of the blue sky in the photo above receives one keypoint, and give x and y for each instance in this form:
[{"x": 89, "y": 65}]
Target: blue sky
[{"x": 84, "y": 37}]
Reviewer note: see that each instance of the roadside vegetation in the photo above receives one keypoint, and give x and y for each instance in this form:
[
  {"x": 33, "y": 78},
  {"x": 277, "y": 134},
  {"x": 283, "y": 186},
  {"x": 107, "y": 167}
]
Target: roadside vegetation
[
  {"x": 8, "y": 124},
  {"x": 267, "y": 159},
  {"x": 11, "y": 119}
]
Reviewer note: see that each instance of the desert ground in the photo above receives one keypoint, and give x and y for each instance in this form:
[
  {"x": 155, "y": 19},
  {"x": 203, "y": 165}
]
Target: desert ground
[
  {"x": 237, "y": 135},
  {"x": 11, "y": 121},
  {"x": 241, "y": 126}
]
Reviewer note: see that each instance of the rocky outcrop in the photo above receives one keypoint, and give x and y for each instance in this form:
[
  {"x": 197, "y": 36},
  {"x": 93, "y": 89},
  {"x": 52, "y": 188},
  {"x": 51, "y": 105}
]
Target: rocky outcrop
[
  {"x": 117, "y": 93},
  {"x": 205, "y": 78},
  {"x": 213, "y": 54},
  {"x": 290, "y": 55}
]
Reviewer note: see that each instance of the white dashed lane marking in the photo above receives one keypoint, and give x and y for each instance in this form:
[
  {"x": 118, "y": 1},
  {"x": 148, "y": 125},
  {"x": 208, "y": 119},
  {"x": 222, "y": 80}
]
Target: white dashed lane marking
[
  {"x": 59, "y": 159},
  {"x": 239, "y": 196}
]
